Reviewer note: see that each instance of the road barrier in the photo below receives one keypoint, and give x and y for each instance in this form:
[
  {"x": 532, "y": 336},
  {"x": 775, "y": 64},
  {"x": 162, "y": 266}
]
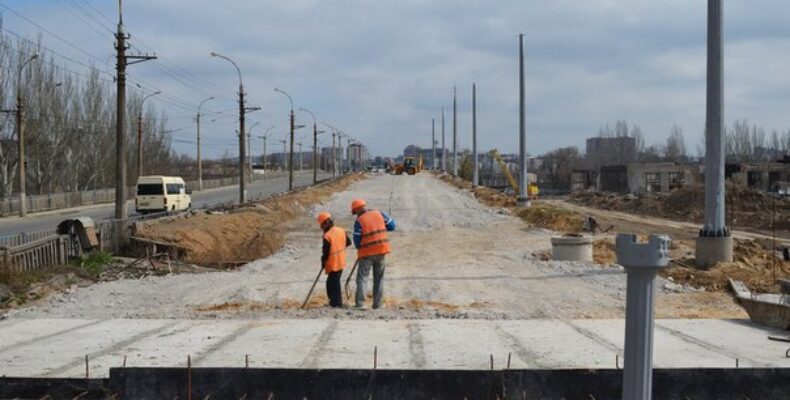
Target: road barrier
[{"x": 56, "y": 201}]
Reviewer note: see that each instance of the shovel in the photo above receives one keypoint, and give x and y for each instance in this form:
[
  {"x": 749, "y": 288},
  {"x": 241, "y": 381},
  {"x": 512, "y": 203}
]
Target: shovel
[
  {"x": 312, "y": 288},
  {"x": 350, "y": 274}
]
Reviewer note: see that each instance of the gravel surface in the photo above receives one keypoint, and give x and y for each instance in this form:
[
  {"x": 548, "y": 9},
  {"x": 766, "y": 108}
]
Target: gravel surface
[{"x": 452, "y": 258}]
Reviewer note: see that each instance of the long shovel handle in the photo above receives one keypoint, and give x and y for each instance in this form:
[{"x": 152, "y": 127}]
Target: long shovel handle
[
  {"x": 317, "y": 277},
  {"x": 350, "y": 274}
]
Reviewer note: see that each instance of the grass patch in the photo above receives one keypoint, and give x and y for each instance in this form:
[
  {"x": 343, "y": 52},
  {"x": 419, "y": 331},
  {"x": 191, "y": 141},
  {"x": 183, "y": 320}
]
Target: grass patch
[
  {"x": 94, "y": 264},
  {"x": 552, "y": 217}
]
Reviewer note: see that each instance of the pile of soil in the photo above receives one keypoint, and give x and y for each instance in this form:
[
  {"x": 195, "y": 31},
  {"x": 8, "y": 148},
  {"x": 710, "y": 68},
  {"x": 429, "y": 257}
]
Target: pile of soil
[
  {"x": 553, "y": 218},
  {"x": 746, "y": 207},
  {"x": 241, "y": 234},
  {"x": 320, "y": 300},
  {"x": 487, "y": 196},
  {"x": 757, "y": 267}
]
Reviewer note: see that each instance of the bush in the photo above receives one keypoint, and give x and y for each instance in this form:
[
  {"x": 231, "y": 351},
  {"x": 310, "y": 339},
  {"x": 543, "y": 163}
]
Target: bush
[{"x": 94, "y": 264}]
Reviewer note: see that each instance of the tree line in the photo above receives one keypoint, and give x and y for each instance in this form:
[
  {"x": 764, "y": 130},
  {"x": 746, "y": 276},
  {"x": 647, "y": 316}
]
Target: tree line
[{"x": 70, "y": 125}]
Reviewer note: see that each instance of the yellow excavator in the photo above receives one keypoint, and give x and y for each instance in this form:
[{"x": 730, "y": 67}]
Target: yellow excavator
[
  {"x": 532, "y": 188},
  {"x": 410, "y": 166}
]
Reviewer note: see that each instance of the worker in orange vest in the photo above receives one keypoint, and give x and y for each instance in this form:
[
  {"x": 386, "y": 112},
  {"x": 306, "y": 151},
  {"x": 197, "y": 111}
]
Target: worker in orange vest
[
  {"x": 333, "y": 257},
  {"x": 372, "y": 243}
]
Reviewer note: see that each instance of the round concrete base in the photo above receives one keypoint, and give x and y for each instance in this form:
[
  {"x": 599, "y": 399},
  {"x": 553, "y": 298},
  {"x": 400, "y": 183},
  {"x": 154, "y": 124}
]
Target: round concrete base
[
  {"x": 711, "y": 250},
  {"x": 572, "y": 248},
  {"x": 522, "y": 202}
]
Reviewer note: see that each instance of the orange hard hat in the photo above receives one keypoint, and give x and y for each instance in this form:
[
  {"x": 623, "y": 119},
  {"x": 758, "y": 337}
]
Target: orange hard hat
[
  {"x": 357, "y": 203},
  {"x": 323, "y": 217}
]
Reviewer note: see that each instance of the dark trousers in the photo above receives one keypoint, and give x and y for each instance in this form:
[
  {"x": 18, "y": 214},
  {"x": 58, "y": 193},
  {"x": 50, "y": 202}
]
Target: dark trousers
[{"x": 333, "y": 289}]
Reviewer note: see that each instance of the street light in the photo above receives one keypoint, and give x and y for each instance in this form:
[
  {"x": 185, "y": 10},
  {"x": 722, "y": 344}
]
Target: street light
[
  {"x": 242, "y": 110},
  {"x": 249, "y": 144},
  {"x": 199, "y": 162},
  {"x": 334, "y": 152},
  {"x": 20, "y": 134},
  {"x": 291, "y": 154},
  {"x": 315, "y": 145},
  {"x": 140, "y": 133}
]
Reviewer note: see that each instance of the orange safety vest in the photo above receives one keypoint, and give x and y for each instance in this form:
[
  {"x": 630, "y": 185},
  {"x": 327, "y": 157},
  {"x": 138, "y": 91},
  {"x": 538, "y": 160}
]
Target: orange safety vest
[
  {"x": 374, "y": 240},
  {"x": 336, "y": 261}
]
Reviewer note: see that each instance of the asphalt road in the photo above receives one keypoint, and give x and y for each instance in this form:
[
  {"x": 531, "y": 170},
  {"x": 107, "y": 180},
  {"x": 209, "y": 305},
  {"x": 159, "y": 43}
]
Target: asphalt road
[{"x": 50, "y": 219}]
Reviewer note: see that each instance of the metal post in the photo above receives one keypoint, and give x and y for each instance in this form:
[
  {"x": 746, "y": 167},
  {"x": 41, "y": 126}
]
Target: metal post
[
  {"x": 334, "y": 158},
  {"x": 140, "y": 144},
  {"x": 444, "y": 149},
  {"x": 455, "y": 133},
  {"x": 522, "y": 200},
  {"x": 291, "y": 154},
  {"x": 242, "y": 155},
  {"x": 433, "y": 143},
  {"x": 315, "y": 153},
  {"x": 641, "y": 262},
  {"x": 120, "y": 123},
  {"x": 20, "y": 137},
  {"x": 265, "y": 170},
  {"x": 715, "y": 243},
  {"x": 300, "y": 156},
  {"x": 199, "y": 161},
  {"x": 475, "y": 177}
]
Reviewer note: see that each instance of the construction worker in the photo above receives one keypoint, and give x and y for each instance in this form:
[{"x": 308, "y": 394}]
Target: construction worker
[
  {"x": 372, "y": 243},
  {"x": 333, "y": 257}
]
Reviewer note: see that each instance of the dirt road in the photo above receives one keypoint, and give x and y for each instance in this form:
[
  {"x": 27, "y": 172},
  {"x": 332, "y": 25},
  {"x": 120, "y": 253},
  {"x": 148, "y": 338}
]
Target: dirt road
[{"x": 453, "y": 258}]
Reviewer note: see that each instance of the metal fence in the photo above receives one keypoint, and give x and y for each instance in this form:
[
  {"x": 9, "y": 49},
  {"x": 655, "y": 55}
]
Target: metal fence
[{"x": 56, "y": 201}]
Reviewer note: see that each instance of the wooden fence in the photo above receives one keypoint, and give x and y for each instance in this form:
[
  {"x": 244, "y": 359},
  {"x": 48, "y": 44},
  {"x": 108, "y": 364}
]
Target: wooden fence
[{"x": 38, "y": 254}]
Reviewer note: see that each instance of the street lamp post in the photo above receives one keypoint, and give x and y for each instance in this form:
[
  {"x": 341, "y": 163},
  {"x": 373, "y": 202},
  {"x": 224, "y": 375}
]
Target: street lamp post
[
  {"x": 263, "y": 159},
  {"x": 242, "y": 110},
  {"x": 522, "y": 200},
  {"x": 140, "y": 133},
  {"x": 291, "y": 154},
  {"x": 315, "y": 145},
  {"x": 20, "y": 135},
  {"x": 199, "y": 161},
  {"x": 249, "y": 145},
  {"x": 285, "y": 160}
]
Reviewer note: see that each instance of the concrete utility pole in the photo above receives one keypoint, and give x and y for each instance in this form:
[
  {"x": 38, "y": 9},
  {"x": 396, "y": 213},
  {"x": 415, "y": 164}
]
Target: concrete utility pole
[
  {"x": 20, "y": 136},
  {"x": 122, "y": 61},
  {"x": 285, "y": 151},
  {"x": 334, "y": 157},
  {"x": 641, "y": 262},
  {"x": 714, "y": 243},
  {"x": 315, "y": 145},
  {"x": 263, "y": 160},
  {"x": 522, "y": 200},
  {"x": 291, "y": 154},
  {"x": 140, "y": 147},
  {"x": 199, "y": 161},
  {"x": 455, "y": 133},
  {"x": 300, "y": 156},
  {"x": 433, "y": 143},
  {"x": 444, "y": 149},
  {"x": 475, "y": 177}
]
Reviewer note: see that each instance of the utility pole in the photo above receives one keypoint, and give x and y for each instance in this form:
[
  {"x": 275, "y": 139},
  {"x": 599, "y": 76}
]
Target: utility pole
[
  {"x": 300, "y": 156},
  {"x": 291, "y": 154},
  {"x": 714, "y": 244},
  {"x": 122, "y": 61},
  {"x": 444, "y": 149},
  {"x": 522, "y": 200},
  {"x": 20, "y": 135},
  {"x": 199, "y": 161},
  {"x": 475, "y": 177},
  {"x": 334, "y": 155},
  {"x": 433, "y": 143},
  {"x": 455, "y": 133},
  {"x": 315, "y": 145},
  {"x": 285, "y": 160},
  {"x": 140, "y": 133}
]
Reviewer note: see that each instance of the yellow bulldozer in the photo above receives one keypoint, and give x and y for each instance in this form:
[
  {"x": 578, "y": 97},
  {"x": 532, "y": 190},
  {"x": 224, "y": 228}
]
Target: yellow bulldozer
[
  {"x": 532, "y": 188},
  {"x": 410, "y": 166}
]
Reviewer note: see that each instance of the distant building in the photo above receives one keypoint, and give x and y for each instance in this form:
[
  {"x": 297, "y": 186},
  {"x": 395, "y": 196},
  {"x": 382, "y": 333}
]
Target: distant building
[
  {"x": 602, "y": 151},
  {"x": 357, "y": 156}
]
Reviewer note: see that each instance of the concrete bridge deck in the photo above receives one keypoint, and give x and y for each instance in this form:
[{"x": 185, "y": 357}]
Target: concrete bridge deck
[{"x": 57, "y": 347}]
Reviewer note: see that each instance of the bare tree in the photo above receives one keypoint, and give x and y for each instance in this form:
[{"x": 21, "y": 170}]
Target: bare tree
[{"x": 676, "y": 146}]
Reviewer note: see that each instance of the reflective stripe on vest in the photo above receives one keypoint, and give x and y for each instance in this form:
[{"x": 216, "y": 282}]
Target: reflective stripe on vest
[
  {"x": 336, "y": 261},
  {"x": 374, "y": 240}
]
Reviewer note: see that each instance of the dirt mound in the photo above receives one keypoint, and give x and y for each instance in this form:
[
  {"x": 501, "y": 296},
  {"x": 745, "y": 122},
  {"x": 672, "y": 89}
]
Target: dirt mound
[
  {"x": 241, "y": 234},
  {"x": 753, "y": 265},
  {"x": 552, "y": 217},
  {"x": 604, "y": 252},
  {"x": 746, "y": 207},
  {"x": 321, "y": 301}
]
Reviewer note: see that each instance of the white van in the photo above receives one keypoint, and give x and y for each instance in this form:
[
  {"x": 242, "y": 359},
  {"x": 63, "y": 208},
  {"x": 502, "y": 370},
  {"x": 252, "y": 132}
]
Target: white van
[{"x": 161, "y": 193}]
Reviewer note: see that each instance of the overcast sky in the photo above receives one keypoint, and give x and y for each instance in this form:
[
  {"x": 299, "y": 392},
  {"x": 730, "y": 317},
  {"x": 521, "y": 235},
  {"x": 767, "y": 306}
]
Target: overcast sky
[{"x": 380, "y": 70}]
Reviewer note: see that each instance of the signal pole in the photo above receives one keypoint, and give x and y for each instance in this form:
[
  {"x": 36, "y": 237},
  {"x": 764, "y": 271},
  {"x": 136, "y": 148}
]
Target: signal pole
[
  {"x": 433, "y": 143},
  {"x": 122, "y": 61}
]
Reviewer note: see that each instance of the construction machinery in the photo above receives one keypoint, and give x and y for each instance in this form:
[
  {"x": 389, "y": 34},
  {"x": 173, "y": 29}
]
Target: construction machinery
[
  {"x": 410, "y": 166},
  {"x": 505, "y": 170}
]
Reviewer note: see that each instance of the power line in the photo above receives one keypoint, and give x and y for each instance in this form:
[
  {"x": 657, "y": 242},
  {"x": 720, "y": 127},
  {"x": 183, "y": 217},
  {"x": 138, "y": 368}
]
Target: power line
[
  {"x": 81, "y": 18},
  {"x": 91, "y": 16},
  {"x": 47, "y": 31},
  {"x": 98, "y": 12}
]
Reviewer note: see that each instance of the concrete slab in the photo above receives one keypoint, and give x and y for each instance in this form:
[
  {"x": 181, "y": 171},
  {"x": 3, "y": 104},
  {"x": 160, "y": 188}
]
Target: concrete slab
[{"x": 57, "y": 347}]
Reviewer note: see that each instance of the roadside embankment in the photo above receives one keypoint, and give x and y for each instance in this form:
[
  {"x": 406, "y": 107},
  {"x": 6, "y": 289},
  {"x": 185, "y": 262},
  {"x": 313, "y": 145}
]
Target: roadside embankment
[{"x": 241, "y": 234}]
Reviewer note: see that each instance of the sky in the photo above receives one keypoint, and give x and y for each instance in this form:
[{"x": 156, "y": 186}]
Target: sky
[{"x": 380, "y": 71}]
